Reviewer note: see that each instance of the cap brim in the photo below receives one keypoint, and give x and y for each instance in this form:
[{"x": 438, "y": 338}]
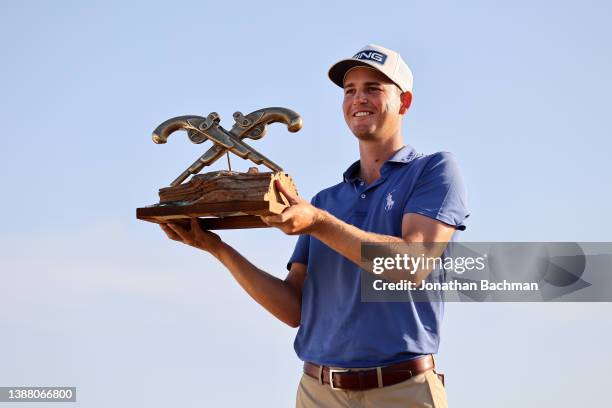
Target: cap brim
[{"x": 339, "y": 69}]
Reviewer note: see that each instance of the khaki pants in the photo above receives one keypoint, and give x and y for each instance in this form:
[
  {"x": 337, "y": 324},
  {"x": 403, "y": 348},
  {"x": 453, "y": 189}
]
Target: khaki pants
[{"x": 420, "y": 391}]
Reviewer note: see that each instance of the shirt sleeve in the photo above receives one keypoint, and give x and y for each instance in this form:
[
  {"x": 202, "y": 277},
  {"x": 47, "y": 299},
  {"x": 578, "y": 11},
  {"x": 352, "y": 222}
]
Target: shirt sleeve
[
  {"x": 439, "y": 192},
  {"x": 302, "y": 246},
  {"x": 300, "y": 253}
]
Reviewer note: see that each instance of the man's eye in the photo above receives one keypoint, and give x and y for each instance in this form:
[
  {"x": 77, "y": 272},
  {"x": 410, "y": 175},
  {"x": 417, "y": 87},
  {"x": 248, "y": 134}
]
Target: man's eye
[
  {"x": 349, "y": 91},
  {"x": 374, "y": 89}
]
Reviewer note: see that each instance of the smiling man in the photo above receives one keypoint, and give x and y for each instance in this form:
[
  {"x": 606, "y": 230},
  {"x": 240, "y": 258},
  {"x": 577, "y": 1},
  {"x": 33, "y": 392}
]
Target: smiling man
[{"x": 359, "y": 354}]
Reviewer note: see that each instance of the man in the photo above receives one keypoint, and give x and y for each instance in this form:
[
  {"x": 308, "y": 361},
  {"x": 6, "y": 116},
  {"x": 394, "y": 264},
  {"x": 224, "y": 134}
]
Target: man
[{"x": 359, "y": 354}]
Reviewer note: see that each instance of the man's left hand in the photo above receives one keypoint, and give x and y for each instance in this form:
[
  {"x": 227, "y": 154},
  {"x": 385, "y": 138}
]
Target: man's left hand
[{"x": 300, "y": 217}]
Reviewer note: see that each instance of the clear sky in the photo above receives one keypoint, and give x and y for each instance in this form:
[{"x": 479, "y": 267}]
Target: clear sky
[{"x": 91, "y": 297}]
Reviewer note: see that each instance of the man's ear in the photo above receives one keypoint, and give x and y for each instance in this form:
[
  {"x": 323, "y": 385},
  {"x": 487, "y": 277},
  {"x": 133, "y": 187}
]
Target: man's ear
[{"x": 406, "y": 98}]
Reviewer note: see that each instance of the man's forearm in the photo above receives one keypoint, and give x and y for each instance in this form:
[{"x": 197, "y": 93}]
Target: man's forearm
[
  {"x": 347, "y": 240},
  {"x": 275, "y": 295}
]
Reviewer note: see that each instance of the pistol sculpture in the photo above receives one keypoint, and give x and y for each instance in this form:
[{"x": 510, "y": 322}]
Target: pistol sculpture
[
  {"x": 252, "y": 126},
  {"x": 224, "y": 199}
]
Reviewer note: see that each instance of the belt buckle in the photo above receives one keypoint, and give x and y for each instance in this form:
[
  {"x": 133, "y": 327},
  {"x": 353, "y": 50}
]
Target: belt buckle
[{"x": 331, "y": 377}]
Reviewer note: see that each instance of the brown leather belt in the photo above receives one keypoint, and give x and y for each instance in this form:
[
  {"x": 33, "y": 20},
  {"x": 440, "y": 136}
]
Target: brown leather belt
[{"x": 366, "y": 379}]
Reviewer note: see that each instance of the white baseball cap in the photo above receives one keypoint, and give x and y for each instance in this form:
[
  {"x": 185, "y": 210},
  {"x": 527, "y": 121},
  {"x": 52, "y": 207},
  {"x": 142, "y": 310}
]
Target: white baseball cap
[{"x": 387, "y": 61}]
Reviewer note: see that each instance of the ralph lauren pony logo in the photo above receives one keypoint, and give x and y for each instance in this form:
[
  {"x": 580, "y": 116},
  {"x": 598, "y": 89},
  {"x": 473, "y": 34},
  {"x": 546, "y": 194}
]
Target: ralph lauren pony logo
[
  {"x": 371, "y": 55},
  {"x": 389, "y": 202}
]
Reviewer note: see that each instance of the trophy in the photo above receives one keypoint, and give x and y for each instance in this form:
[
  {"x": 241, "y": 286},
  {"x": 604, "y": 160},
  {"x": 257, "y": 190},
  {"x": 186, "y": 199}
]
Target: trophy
[{"x": 224, "y": 199}]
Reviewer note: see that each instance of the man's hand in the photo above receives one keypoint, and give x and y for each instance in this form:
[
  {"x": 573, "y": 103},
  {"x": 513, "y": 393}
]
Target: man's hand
[
  {"x": 300, "y": 217},
  {"x": 192, "y": 235}
]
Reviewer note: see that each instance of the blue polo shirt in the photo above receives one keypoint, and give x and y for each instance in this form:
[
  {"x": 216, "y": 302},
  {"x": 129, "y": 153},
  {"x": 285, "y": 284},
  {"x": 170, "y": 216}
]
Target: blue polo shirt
[{"x": 337, "y": 328}]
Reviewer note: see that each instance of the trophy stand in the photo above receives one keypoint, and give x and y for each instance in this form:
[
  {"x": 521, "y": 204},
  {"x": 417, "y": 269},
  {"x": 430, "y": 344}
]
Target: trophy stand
[{"x": 224, "y": 199}]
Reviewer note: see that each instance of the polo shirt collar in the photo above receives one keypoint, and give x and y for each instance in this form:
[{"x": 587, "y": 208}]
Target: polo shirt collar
[{"x": 402, "y": 156}]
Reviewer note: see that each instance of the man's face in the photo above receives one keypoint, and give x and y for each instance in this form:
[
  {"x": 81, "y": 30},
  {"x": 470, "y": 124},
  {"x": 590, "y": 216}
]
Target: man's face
[{"x": 371, "y": 104}]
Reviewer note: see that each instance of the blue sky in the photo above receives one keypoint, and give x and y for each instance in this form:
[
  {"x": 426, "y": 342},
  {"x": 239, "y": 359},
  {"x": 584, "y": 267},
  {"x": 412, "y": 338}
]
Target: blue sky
[{"x": 93, "y": 298}]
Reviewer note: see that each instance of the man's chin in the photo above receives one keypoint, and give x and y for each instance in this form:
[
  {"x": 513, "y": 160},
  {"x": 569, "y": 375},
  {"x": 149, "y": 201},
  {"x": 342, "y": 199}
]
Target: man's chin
[
  {"x": 365, "y": 135},
  {"x": 362, "y": 132}
]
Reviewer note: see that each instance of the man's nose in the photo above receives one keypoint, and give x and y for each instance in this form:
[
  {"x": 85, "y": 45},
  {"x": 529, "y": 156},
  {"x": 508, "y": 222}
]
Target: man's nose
[{"x": 359, "y": 98}]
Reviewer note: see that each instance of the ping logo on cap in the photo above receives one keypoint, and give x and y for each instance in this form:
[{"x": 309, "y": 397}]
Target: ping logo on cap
[{"x": 371, "y": 55}]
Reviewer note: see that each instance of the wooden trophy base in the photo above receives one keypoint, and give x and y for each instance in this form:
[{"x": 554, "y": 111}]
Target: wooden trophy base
[{"x": 221, "y": 200}]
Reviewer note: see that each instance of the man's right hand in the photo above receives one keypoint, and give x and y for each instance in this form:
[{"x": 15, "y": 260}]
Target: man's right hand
[{"x": 192, "y": 235}]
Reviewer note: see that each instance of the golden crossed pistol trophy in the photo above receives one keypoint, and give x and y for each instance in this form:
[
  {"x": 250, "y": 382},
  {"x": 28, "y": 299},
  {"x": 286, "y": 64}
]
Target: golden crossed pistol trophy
[{"x": 224, "y": 199}]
